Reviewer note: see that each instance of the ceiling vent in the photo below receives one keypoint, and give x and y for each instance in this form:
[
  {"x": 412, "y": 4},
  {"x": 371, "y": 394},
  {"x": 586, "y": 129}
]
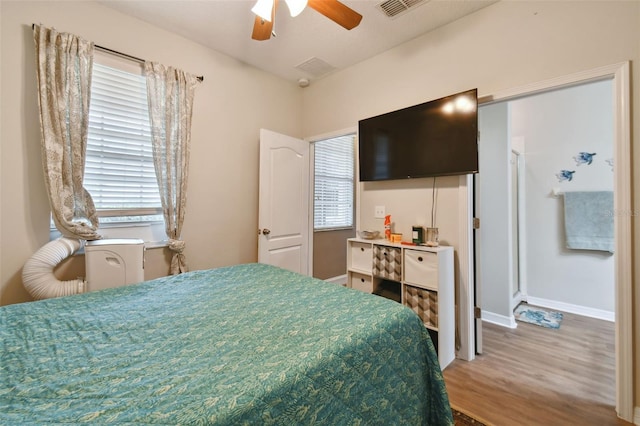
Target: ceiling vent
[
  {"x": 395, "y": 8},
  {"x": 315, "y": 67}
]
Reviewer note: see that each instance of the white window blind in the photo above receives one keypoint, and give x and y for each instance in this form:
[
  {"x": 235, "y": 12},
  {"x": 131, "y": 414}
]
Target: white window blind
[
  {"x": 119, "y": 172},
  {"x": 334, "y": 177}
]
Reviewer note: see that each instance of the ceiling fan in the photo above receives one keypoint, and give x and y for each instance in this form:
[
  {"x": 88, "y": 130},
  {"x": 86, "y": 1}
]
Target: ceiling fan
[{"x": 265, "y": 11}]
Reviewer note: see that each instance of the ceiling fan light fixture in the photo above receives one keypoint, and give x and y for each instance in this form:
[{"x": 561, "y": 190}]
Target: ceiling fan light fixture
[
  {"x": 263, "y": 9},
  {"x": 296, "y": 6}
]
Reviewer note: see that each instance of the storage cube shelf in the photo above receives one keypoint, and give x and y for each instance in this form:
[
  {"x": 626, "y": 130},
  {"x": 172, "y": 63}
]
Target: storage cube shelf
[{"x": 425, "y": 279}]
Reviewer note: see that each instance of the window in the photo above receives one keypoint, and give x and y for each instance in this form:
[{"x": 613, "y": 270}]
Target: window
[
  {"x": 119, "y": 171},
  {"x": 334, "y": 183}
]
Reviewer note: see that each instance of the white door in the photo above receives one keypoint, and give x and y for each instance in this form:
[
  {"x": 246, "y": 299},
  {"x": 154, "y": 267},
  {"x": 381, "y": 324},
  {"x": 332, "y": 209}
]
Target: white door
[{"x": 283, "y": 218}]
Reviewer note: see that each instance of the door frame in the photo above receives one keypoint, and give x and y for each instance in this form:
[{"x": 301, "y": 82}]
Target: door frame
[
  {"x": 620, "y": 75},
  {"x": 521, "y": 229}
]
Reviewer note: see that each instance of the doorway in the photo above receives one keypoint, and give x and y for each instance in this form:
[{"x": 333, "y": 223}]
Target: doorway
[
  {"x": 619, "y": 74},
  {"x": 565, "y": 136}
]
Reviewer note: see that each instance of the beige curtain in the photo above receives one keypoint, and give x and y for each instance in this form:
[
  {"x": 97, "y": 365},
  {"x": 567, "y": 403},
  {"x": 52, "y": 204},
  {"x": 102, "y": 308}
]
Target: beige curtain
[
  {"x": 171, "y": 93},
  {"x": 64, "y": 67}
]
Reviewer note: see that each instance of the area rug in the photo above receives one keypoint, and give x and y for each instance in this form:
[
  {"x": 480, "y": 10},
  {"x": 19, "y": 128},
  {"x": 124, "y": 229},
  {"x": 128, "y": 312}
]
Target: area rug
[
  {"x": 538, "y": 316},
  {"x": 462, "y": 419}
]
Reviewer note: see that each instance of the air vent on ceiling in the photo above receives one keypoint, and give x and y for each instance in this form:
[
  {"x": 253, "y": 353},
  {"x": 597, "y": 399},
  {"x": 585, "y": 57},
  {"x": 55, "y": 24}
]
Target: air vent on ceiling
[
  {"x": 394, "y": 8},
  {"x": 315, "y": 67}
]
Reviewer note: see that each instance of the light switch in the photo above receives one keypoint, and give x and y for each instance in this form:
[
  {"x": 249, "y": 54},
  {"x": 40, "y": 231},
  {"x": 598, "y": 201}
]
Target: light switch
[{"x": 379, "y": 212}]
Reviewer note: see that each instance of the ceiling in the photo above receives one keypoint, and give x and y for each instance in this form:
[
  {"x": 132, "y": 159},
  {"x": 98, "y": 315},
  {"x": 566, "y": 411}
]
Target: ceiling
[{"x": 309, "y": 46}]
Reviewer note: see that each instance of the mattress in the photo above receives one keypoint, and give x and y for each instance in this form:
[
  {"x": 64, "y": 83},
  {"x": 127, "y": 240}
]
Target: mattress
[{"x": 247, "y": 344}]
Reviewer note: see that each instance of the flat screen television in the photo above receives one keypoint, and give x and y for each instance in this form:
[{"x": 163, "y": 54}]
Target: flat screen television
[{"x": 436, "y": 138}]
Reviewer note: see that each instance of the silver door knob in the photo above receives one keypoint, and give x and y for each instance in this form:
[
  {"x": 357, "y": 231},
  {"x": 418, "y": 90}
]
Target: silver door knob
[{"x": 266, "y": 231}]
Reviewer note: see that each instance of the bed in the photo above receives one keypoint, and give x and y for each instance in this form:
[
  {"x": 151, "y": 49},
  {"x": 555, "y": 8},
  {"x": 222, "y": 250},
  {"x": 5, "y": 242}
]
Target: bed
[{"x": 247, "y": 344}]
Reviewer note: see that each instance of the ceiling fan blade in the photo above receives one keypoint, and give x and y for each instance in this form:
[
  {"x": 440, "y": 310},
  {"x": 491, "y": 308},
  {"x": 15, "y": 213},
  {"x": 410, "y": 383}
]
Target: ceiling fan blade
[
  {"x": 262, "y": 29},
  {"x": 337, "y": 12}
]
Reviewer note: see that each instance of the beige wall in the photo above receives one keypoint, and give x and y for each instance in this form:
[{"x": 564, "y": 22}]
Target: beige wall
[
  {"x": 330, "y": 253},
  {"x": 232, "y": 104},
  {"x": 507, "y": 45}
]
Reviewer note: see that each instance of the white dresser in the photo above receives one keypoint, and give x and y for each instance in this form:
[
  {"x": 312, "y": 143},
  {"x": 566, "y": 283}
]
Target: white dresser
[{"x": 417, "y": 276}]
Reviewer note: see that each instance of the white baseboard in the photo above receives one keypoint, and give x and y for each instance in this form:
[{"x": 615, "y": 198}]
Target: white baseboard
[
  {"x": 572, "y": 309},
  {"x": 504, "y": 321},
  {"x": 340, "y": 280},
  {"x": 636, "y": 416}
]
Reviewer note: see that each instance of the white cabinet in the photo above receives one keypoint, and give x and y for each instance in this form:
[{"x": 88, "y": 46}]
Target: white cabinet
[{"x": 419, "y": 277}]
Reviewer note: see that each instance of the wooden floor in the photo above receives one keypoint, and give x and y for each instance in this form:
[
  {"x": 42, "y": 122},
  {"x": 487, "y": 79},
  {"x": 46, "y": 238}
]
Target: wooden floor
[{"x": 533, "y": 375}]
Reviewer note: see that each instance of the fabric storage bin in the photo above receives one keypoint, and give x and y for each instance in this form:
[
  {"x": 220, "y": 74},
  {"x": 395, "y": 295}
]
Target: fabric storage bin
[
  {"x": 424, "y": 303},
  {"x": 387, "y": 262},
  {"x": 361, "y": 282},
  {"x": 360, "y": 256},
  {"x": 421, "y": 268}
]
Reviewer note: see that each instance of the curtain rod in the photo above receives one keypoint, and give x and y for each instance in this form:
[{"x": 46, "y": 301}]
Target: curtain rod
[{"x": 115, "y": 52}]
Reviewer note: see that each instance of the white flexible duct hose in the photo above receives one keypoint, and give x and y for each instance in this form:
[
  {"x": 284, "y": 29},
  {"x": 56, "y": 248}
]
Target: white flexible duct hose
[{"x": 37, "y": 273}]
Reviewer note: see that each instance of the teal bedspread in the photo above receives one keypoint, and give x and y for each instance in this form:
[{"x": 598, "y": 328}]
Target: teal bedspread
[{"x": 248, "y": 344}]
